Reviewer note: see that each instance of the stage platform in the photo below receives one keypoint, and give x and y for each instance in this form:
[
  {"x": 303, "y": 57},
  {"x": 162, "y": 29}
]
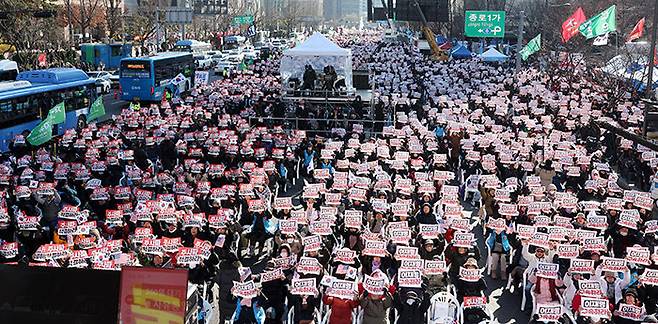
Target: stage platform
[{"x": 337, "y": 97}]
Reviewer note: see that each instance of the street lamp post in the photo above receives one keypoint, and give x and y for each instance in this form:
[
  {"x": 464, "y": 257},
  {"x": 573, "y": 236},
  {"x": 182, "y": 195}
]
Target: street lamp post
[{"x": 652, "y": 53}]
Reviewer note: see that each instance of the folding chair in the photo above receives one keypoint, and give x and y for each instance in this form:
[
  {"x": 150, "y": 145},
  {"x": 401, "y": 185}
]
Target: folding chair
[
  {"x": 325, "y": 318},
  {"x": 533, "y": 296},
  {"x": 357, "y": 315},
  {"x": 291, "y": 315},
  {"x": 444, "y": 308},
  {"x": 525, "y": 282},
  {"x": 489, "y": 258}
]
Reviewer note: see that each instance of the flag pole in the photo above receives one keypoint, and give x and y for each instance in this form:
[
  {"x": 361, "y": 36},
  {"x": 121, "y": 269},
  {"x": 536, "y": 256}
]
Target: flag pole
[
  {"x": 652, "y": 54},
  {"x": 519, "y": 41}
]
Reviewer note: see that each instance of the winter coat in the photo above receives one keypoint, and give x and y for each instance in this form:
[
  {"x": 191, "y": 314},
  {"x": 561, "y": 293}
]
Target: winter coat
[
  {"x": 374, "y": 311},
  {"x": 227, "y": 274},
  {"x": 341, "y": 309}
]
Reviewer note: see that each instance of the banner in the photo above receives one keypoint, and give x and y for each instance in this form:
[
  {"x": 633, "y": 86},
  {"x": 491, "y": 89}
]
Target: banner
[
  {"x": 308, "y": 265},
  {"x": 533, "y": 46},
  {"x": 312, "y": 243},
  {"x": 97, "y": 109},
  {"x": 343, "y": 289},
  {"x": 568, "y": 251},
  {"x": 57, "y": 114},
  {"x": 594, "y": 307},
  {"x": 549, "y": 312},
  {"x": 40, "y": 134},
  {"x": 373, "y": 285},
  {"x": 375, "y": 248},
  {"x": 345, "y": 256},
  {"x": 303, "y": 287},
  {"x": 638, "y": 255},
  {"x": 470, "y": 275},
  {"x": 603, "y": 23},
  {"x": 547, "y": 270},
  {"x": 153, "y": 295},
  {"x": 613, "y": 264},
  {"x": 245, "y": 289},
  {"x": 463, "y": 240},
  {"x": 406, "y": 252},
  {"x": 650, "y": 277},
  {"x": 582, "y": 266},
  {"x": 637, "y": 31},
  {"x": 272, "y": 275},
  {"x": 630, "y": 312},
  {"x": 475, "y": 302},
  {"x": 590, "y": 288},
  {"x": 201, "y": 77},
  {"x": 570, "y": 26},
  {"x": 410, "y": 278},
  {"x": 434, "y": 267}
]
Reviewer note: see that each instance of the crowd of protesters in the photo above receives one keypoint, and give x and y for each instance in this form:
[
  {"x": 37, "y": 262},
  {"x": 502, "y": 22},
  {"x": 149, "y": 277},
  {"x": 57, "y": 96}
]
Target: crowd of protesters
[{"x": 358, "y": 225}]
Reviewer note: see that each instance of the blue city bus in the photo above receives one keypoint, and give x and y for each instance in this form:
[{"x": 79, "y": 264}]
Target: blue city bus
[
  {"x": 146, "y": 78},
  {"x": 109, "y": 55},
  {"x": 28, "y": 99}
]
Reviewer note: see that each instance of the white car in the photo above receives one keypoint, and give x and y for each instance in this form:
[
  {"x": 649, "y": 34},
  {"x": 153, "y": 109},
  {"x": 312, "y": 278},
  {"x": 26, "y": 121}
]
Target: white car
[
  {"x": 102, "y": 78},
  {"x": 249, "y": 53},
  {"x": 231, "y": 63},
  {"x": 203, "y": 61},
  {"x": 114, "y": 77},
  {"x": 218, "y": 57}
]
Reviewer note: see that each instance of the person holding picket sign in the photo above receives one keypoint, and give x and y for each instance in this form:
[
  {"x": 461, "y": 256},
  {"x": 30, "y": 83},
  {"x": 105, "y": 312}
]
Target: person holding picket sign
[{"x": 631, "y": 309}]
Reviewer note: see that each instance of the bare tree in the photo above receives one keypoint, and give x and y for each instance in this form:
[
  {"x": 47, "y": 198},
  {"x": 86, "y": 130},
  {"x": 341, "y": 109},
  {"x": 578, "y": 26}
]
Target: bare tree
[
  {"x": 29, "y": 36},
  {"x": 114, "y": 19},
  {"x": 86, "y": 14},
  {"x": 291, "y": 16}
]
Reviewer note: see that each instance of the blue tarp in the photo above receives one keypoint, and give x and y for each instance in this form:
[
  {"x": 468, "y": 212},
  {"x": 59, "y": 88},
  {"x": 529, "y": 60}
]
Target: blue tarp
[
  {"x": 493, "y": 55},
  {"x": 441, "y": 40},
  {"x": 460, "y": 52}
]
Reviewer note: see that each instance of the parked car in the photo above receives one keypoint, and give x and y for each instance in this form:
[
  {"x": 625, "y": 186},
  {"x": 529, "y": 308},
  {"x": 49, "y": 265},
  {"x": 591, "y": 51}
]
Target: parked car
[
  {"x": 203, "y": 61},
  {"x": 218, "y": 57},
  {"x": 249, "y": 53},
  {"x": 103, "y": 82},
  {"x": 231, "y": 63},
  {"x": 114, "y": 77}
]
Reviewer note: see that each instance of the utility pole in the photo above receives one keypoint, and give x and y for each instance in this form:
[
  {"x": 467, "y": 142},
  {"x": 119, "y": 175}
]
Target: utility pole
[{"x": 519, "y": 41}]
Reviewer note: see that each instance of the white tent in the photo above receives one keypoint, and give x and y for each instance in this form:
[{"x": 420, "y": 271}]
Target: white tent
[
  {"x": 318, "y": 51},
  {"x": 493, "y": 55}
]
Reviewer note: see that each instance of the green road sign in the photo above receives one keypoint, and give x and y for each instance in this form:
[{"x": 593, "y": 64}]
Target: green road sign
[
  {"x": 243, "y": 20},
  {"x": 485, "y": 24}
]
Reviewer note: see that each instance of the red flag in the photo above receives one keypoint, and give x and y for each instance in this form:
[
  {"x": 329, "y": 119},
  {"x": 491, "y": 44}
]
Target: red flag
[
  {"x": 570, "y": 26},
  {"x": 637, "y": 31}
]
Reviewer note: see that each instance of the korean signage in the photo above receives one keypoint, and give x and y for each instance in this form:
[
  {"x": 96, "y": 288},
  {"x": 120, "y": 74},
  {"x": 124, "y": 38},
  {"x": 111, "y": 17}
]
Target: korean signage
[
  {"x": 243, "y": 20},
  {"x": 485, "y": 24}
]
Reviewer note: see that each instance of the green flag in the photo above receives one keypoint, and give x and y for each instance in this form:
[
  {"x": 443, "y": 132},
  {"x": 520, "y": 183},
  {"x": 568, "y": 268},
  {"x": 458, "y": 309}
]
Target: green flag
[
  {"x": 57, "y": 114},
  {"x": 533, "y": 46},
  {"x": 600, "y": 24},
  {"x": 41, "y": 134},
  {"x": 97, "y": 109}
]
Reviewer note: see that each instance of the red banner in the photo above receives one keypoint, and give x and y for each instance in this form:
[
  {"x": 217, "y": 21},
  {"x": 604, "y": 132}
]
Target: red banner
[
  {"x": 570, "y": 26},
  {"x": 152, "y": 295}
]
